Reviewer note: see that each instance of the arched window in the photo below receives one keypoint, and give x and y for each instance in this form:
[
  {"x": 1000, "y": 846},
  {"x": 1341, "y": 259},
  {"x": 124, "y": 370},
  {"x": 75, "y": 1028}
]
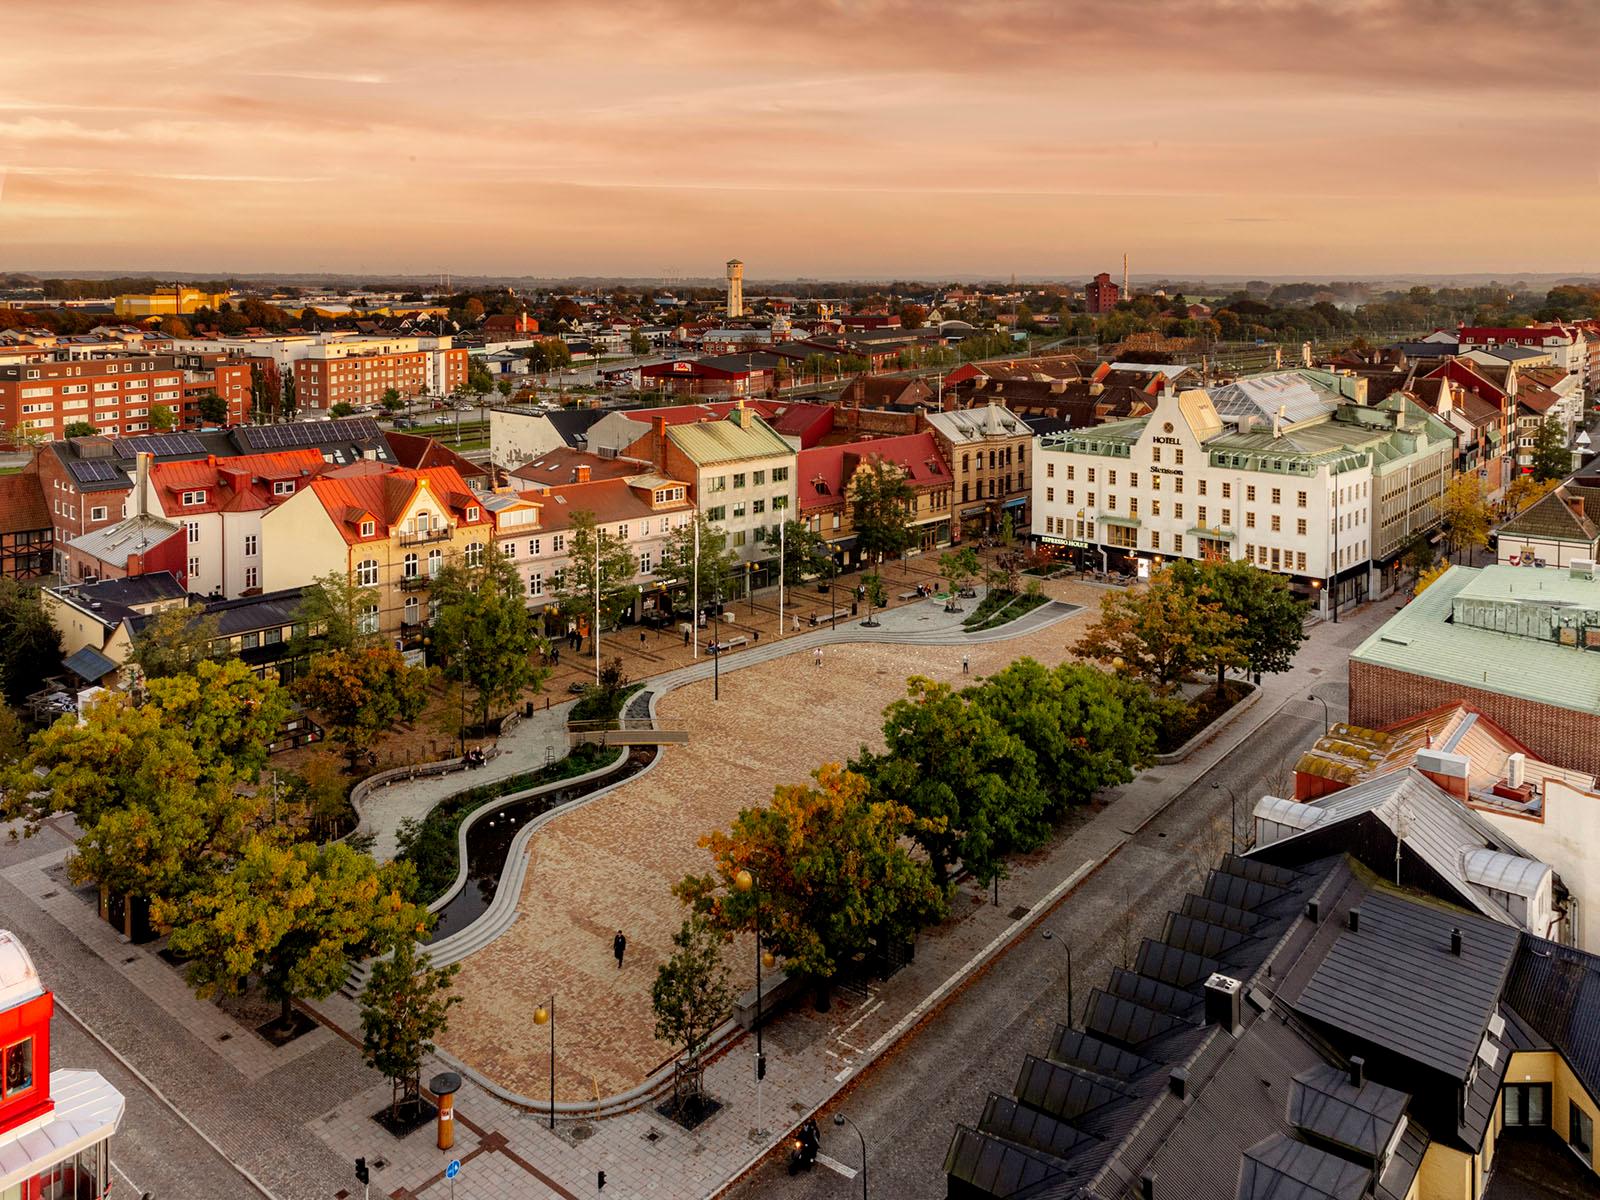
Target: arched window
[
  {"x": 367, "y": 573},
  {"x": 410, "y": 571},
  {"x": 367, "y": 621},
  {"x": 435, "y": 562},
  {"x": 424, "y": 520},
  {"x": 413, "y": 610}
]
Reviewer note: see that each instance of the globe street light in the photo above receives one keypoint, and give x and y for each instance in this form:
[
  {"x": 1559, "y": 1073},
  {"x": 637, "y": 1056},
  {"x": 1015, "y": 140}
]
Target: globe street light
[
  {"x": 547, "y": 1016},
  {"x": 1233, "y": 816},
  {"x": 1049, "y": 935}
]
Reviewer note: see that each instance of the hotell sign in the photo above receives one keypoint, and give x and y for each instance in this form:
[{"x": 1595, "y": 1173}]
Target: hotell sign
[{"x": 1168, "y": 441}]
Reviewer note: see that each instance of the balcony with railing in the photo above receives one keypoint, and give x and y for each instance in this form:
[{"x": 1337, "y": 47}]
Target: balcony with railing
[
  {"x": 416, "y": 537},
  {"x": 415, "y": 583}
]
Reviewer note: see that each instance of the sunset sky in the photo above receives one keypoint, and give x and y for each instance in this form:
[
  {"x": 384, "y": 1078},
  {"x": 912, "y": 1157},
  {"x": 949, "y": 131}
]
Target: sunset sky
[{"x": 840, "y": 139}]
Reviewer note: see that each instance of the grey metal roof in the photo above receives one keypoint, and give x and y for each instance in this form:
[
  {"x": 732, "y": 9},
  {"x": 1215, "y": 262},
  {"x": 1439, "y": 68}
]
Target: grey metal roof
[
  {"x": 88, "y": 663},
  {"x": 115, "y": 543},
  {"x": 1395, "y": 983},
  {"x": 1435, "y": 826},
  {"x": 1300, "y": 395},
  {"x": 1280, "y": 1168},
  {"x": 1555, "y": 990},
  {"x": 1323, "y": 1101}
]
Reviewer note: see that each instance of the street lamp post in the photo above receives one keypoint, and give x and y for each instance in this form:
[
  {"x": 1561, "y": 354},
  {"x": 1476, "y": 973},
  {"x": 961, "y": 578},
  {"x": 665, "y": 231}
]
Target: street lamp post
[
  {"x": 547, "y": 1016},
  {"x": 840, "y": 1120},
  {"x": 746, "y": 882},
  {"x": 463, "y": 698},
  {"x": 1233, "y": 816},
  {"x": 1326, "y": 720},
  {"x": 1049, "y": 935}
]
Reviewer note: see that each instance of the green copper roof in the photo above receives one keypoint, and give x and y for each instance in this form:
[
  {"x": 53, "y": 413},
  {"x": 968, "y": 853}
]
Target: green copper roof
[
  {"x": 1424, "y": 639},
  {"x": 709, "y": 442}
]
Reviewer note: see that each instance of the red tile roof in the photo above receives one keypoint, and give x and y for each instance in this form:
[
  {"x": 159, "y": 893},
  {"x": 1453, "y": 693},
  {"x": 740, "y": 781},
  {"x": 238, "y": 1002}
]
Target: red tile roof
[
  {"x": 560, "y": 466},
  {"x": 416, "y": 451},
  {"x": 822, "y": 472},
  {"x": 241, "y": 484},
  {"x": 610, "y": 500},
  {"x": 384, "y": 497}
]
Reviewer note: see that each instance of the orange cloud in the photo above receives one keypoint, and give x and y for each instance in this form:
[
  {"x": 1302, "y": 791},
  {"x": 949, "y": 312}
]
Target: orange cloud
[{"x": 871, "y": 138}]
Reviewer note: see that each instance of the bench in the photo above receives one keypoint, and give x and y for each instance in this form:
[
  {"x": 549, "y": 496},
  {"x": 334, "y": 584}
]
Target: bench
[
  {"x": 910, "y": 595},
  {"x": 732, "y": 643},
  {"x": 830, "y": 618}
]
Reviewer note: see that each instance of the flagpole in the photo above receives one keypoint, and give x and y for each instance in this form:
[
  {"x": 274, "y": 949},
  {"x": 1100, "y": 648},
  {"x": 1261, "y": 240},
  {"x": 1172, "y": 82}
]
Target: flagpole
[
  {"x": 781, "y": 524},
  {"x": 694, "y": 617},
  {"x": 597, "y": 606}
]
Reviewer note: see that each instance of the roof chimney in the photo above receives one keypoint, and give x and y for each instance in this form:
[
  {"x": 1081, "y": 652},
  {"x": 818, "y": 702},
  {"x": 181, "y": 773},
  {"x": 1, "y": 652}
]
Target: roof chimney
[
  {"x": 1358, "y": 1071},
  {"x": 142, "y": 481},
  {"x": 1447, "y": 769},
  {"x": 1455, "y": 942},
  {"x": 583, "y": 473},
  {"x": 1178, "y": 1082},
  {"x": 1222, "y": 1002},
  {"x": 1355, "y": 920},
  {"x": 1147, "y": 1186},
  {"x": 1277, "y": 420}
]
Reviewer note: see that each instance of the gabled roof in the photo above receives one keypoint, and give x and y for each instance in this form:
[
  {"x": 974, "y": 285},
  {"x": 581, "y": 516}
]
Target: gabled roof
[
  {"x": 416, "y": 451},
  {"x": 385, "y": 496},
  {"x": 738, "y": 437},
  {"x": 116, "y": 543},
  {"x": 974, "y": 426},
  {"x": 610, "y": 500},
  {"x": 1553, "y": 517},
  {"x": 240, "y": 484},
  {"x": 560, "y": 466},
  {"x": 823, "y": 472}
]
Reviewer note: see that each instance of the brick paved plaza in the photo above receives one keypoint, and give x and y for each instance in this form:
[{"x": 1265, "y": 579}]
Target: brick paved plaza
[{"x": 609, "y": 864}]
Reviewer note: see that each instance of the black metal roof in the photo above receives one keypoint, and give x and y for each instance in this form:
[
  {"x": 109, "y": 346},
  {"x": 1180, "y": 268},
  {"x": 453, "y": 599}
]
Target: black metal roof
[
  {"x": 573, "y": 423},
  {"x": 1555, "y": 990},
  {"x": 1325, "y": 1102},
  {"x": 1396, "y": 984},
  {"x": 1280, "y": 1168}
]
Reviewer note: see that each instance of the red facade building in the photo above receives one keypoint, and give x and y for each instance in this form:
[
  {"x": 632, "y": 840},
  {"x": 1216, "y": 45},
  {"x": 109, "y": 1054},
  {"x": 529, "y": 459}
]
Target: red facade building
[
  {"x": 1100, "y": 294},
  {"x": 55, "y": 1126}
]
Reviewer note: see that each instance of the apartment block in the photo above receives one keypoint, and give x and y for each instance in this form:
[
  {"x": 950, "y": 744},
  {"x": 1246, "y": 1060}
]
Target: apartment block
[{"x": 117, "y": 395}]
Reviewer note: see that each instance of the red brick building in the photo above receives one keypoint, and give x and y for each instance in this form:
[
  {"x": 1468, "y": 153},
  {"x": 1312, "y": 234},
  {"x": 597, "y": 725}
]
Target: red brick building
[
  {"x": 116, "y": 395},
  {"x": 1100, "y": 294},
  {"x": 27, "y": 537},
  {"x": 348, "y": 374}
]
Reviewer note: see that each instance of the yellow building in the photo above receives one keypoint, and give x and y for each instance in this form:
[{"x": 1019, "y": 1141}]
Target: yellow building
[
  {"x": 172, "y": 302},
  {"x": 390, "y": 529}
]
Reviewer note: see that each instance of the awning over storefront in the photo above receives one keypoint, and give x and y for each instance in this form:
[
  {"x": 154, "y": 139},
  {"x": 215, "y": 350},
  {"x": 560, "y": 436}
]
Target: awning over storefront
[
  {"x": 976, "y": 511},
  {"x": 1201, "y": 531},
  {"x": 1114, "y": 519},
  {"x": 1017, "y": 503}
]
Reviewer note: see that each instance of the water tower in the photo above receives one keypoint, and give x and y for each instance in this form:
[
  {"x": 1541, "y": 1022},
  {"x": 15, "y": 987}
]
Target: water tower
[{"x": 735, "y": 288}]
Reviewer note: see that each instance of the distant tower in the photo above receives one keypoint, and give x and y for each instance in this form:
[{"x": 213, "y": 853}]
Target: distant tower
[
  {"x": 1126, "y": 294},
  {"x": 735, "y": 288}
]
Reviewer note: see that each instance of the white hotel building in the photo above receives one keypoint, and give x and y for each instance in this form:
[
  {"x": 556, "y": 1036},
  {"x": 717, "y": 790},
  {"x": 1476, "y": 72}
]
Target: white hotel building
[{"x": 1291, "y": 471}]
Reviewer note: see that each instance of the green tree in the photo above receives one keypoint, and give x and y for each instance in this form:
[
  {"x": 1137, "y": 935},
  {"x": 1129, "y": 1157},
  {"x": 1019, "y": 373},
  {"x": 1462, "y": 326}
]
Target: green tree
[
  {"x": 226, "y": 712},
  {"x": 548, "y": 354},
  {"x": 1086, "y": 730},
  {"x": 213, "y": 408},
  {"x": 173, "y": 642},
  {"x": 503, "y": 386},
  {"x": 1273, "y": 620},
  {"x": 363, "y": 692},
  {"x": 882, "y": 503},
  {"x": 831, "y": 873},
  {"x": 1163, "y": 633},
  {"x": 77, "y": 429},
  {"x": 805, "y": 552},
  {"x": 391, "y": 400},
  {"x": 335, "y": 611},
  {"x": 970, "y": 781},
  {"x": 162, "y": 418},
  {"x": 1464, "y": 514},
  {"x": 959, "y": 567},
  {"x": 342, "y": 409},
  {"x": 291, "y": 916},
  {"x": 1551, "y": 458},
  {"x": 638, "y": 344},
  {"x": 482, "y": 635},
  {"x": 479, "y": 381},
  {"x": 30, "y": 647},
  {"x": 405, "y": 1007},
  {"x": 691, "y": 995},
  {"x": 603, "y": 568},
  {"x": 677, "y": 563},
  {"x": 875, "y": 594}
]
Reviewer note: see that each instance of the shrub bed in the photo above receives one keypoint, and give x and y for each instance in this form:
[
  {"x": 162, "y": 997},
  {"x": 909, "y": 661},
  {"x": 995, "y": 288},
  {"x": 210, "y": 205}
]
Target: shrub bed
[
  {"x": 429, "y": 845},
  {"x": 601, "y": 704},
  {"x": 1008, "y": 606},
  {"x": 1185, "y": 720}
]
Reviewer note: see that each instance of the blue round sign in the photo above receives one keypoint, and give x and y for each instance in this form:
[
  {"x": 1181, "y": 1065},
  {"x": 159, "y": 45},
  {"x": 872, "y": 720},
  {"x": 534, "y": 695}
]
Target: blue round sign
[{"x": 453, "y": 1169}]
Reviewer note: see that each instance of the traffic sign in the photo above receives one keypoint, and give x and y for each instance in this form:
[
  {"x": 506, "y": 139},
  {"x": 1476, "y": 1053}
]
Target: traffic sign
[{"x": 453, "y": 1169}]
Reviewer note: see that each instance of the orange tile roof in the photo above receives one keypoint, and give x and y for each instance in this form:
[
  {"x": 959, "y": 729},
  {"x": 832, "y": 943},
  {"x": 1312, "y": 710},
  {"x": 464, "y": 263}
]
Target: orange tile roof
[
  {"x": 239, "y": 484},
  {"x": 385, "y": 496}
]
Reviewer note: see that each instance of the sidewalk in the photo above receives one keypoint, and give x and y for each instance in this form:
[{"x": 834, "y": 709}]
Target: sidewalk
[{"x": 536, "y": 741}]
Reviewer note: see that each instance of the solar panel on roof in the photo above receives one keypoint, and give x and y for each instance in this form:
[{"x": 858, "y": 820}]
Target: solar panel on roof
[
  {"x": 1062, "y": 1091},
  {"x": 1078, "y": 1048},
  {"x": 95, "y": 472},
  {"x": 1151, "y": 993},
  {"x": 1172, "y": 965},
  {"x": 1125, "y": 1021},
  {"x": 1200, "y": 937}
]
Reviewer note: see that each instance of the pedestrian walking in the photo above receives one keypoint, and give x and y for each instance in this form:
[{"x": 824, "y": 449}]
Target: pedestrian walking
[
  {"x": 964, "y": 664},
  {"x": 619, "y": 947},
  {"x": 797, "y": 622},
  {"x": 686, "y": 635},
  {"x": 816, "y": 656},
  {"x": 641, "y": 639}
]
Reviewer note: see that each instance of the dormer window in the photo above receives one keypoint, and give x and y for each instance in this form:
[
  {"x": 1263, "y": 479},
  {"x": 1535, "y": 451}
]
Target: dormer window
[
  {"x": 473, "y": 513},
  {"x": 369, "y": 528},
  {"x": 16, "y": 1076},
  {"x": 283, "y": 487},
  {"x": 192, "y": 498}
]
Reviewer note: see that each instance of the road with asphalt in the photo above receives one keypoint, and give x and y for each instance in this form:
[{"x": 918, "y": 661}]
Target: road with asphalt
[{"x": 908, "y": 1104}]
